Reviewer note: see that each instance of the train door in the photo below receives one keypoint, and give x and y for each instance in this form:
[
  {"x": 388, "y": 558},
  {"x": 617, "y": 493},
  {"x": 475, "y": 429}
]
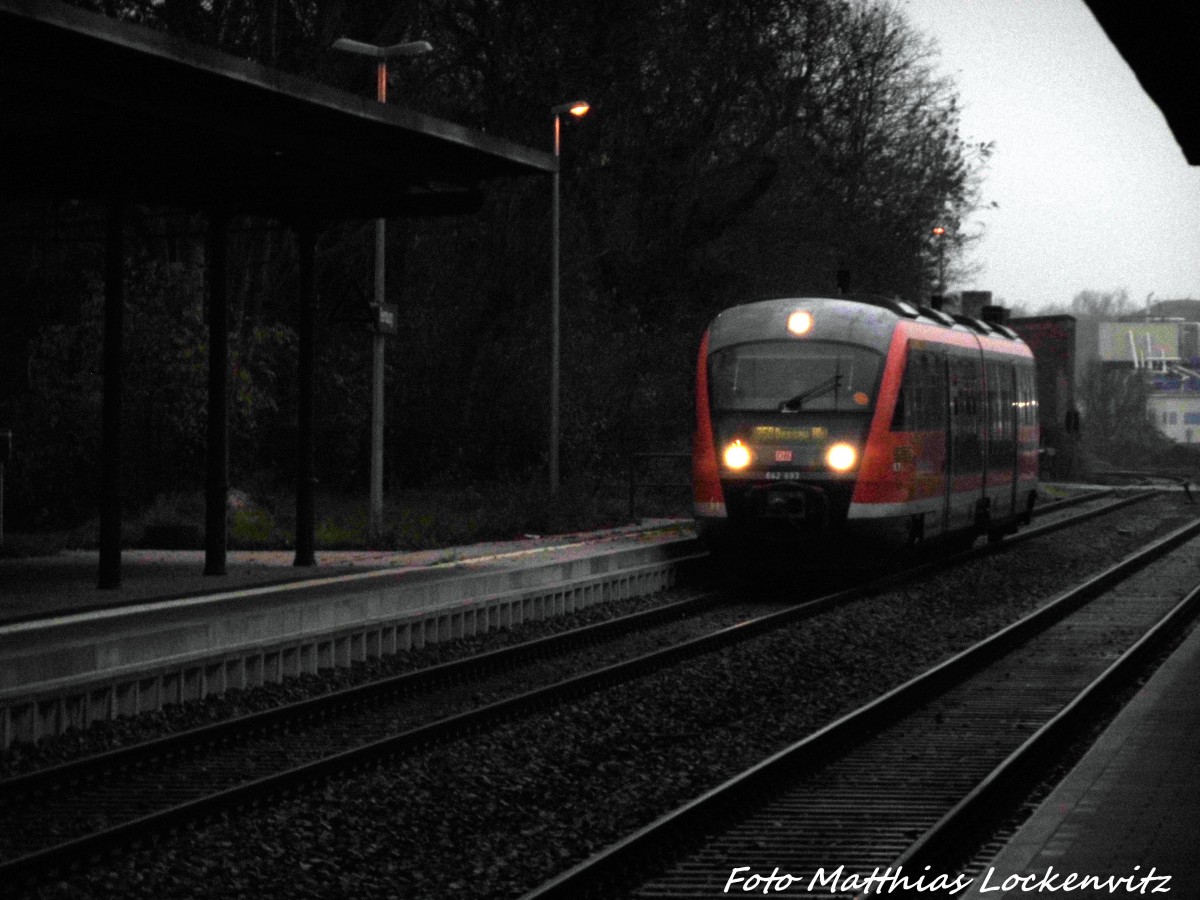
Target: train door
[
  {"x": 966, "y": 435},
  {"x": 1010, "y": 412},
  {"x": 922, "y": 410},
  {"x": 1001, "y": 465},
  {"x": 940, "y": 388},
  {"x": 1027, "y": 426}
]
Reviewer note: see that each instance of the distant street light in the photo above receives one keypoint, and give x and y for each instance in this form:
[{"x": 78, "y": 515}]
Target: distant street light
[
  {"x": 579, "y": 109},
  {"x": 381, "y": 55},
  {"x": 940, "y": 233}
]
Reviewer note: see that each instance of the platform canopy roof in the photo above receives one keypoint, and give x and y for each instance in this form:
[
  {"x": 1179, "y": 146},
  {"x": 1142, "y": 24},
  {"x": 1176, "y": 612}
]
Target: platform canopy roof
[
  {"x": 1161, "y": 42},
  {"x": 91, "y": 107}
]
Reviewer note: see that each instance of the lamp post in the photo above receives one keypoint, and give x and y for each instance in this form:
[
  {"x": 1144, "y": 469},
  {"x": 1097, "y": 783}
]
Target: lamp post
[
  {"x": 579, "y": 109},
  {"x": 381, "y": 55},
  {"x": 940, "y": 233}
]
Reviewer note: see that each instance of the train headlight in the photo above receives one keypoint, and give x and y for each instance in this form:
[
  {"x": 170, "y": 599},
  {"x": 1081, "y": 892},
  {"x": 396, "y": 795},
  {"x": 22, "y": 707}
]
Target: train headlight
[
  {"x": 841, "y": 457},
  {"x": 736, "y": 456},
  {"x": 800, "y": 322}
]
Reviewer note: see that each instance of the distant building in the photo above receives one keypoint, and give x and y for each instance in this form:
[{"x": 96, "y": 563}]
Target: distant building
[
  {"x": 1168, "y": 353},
  {"x": 973, "y": 302},
  {"x": 1177, "y": 415},
  {"x": 1150, "y": 344}
]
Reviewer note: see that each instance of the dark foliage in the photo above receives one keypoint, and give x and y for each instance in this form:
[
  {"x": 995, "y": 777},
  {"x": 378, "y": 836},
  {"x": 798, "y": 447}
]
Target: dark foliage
[
  {"x": 1115, "y": 426},
  {"x": 735, "y": 150}
]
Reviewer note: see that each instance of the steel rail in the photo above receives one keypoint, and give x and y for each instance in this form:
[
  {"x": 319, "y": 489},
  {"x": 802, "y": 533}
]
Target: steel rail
[
  {"x": 1063, "y": 503},
  {"x": 240, "y": 728},
  {"x": 1181, "y": 477},
  {"x": 957, "y": 833},
  {"x": 195, "y": 740},
  {"x": 614, "y": 864},
  {"x": 954, "y": 559},
  {"x": 72, "y": 851}
]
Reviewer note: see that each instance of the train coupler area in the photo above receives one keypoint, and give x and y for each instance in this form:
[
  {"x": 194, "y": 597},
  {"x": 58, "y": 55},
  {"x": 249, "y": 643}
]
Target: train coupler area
[{"x": 801, "y": 505}]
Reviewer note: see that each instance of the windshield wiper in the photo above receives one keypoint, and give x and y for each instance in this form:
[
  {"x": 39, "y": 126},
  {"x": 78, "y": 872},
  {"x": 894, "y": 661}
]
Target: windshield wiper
[{"x": 829, "y": 384}]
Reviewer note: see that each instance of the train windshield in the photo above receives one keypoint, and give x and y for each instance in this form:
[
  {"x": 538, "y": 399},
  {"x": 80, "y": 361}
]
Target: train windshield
[{"x": 790, "y": 376}]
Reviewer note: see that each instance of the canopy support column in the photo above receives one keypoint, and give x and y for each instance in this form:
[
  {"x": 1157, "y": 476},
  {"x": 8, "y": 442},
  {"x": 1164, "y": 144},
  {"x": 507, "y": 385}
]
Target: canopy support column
[
  {"x": 305, "y": 480},
  {"x": 110, "y": 429},
  {"x": 216, "y": 490}
]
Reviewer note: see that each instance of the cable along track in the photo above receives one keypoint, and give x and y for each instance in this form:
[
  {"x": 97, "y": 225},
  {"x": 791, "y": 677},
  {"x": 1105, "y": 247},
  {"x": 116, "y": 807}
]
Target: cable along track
[
  {"x": 78, "y": 809},
  {"x": 917, "y": 777}
]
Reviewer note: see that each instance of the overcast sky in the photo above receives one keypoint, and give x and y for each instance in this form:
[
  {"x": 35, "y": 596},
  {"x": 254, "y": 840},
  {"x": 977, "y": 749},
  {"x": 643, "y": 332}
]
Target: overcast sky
[{"x": 1093, "y": 191}]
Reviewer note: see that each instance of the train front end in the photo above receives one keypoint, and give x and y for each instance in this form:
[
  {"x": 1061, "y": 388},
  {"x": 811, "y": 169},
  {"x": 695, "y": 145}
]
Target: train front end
[{"x": 786, "y": 391}]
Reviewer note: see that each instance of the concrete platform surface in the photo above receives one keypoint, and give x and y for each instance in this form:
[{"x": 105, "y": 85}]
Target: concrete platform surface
[
  {"x": 41, "y": 586},
  {"x": 1130, "y": 809},
  {"x": 71, "y": 654}
]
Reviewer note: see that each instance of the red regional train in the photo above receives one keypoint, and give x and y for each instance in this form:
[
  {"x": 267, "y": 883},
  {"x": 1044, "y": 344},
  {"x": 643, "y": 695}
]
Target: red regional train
[{"x": 818, "y": 418}]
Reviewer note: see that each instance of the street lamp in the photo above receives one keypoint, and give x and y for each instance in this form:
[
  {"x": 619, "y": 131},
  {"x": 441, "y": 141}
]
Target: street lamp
[
  {"x": 579, "y": 109},
  {"x": 940, "y": 233},
  {"x": 381, "y": 55}
]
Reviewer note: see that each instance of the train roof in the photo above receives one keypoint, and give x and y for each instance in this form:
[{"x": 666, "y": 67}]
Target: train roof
[{"x": 857, "y": 319}]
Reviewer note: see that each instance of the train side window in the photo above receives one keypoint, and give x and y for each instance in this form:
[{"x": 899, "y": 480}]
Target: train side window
[
  {"x": 1031, "y": 397},
  {"x": 910, "y": 398},
  {"x": 935, "y": 391},
  {"x": 1022, "y": 396},
  {"x": 991, "y": 389},
  {"x": 1001, "y": 408},
  {"x": 1026, "y": 396},
  {"x": 900, "y": 415},
  {"x": 1020, "y": 399},
  {"x": 969, "y": 414},
  {"x": 922, "y": 402},
  {"x": 917, "y": 385},
  {"x": 1008, "y": 387}
]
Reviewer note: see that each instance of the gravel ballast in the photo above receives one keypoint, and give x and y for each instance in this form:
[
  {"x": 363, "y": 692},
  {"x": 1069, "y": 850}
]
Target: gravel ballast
[{"x": 497, "y": 814}]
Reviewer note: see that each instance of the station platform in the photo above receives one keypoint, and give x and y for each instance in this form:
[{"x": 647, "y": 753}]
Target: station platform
[
  {"x": 1129, "y": 809},
  {"x": 71, "y": 654},
  {"x": 65, "y": 582}
]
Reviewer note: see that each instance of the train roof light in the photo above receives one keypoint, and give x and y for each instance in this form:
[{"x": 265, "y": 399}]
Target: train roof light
[{"x": 800, "y": 322}]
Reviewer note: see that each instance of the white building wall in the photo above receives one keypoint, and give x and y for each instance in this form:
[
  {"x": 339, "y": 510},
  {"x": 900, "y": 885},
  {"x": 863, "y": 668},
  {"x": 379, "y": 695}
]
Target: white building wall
[{"x": 1177, "y": 415}]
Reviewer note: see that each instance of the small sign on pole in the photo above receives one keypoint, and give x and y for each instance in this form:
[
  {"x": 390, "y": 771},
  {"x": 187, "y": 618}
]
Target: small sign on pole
[{"x": 383, "y": 318}]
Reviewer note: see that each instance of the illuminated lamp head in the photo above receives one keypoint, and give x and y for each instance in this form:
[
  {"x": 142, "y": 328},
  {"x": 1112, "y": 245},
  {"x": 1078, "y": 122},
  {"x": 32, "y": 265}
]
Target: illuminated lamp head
[
  {"x": 736, "y": 456},
  {"x": 800, "y": 322},
  {"x": 841, "y": 457},
  {"x": 577, "y": 108}
]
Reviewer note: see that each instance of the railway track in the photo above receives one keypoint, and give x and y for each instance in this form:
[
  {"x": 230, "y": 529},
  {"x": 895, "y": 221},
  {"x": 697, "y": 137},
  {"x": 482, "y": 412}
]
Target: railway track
[
  {"x": 1147, "y": 477},
  {"x": 918, "y": 777},
  {"x": 99, "y": 803}
]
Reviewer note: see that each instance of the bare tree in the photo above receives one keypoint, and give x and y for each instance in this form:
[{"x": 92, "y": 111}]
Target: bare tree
[{"x": 1116, "y": 427}]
